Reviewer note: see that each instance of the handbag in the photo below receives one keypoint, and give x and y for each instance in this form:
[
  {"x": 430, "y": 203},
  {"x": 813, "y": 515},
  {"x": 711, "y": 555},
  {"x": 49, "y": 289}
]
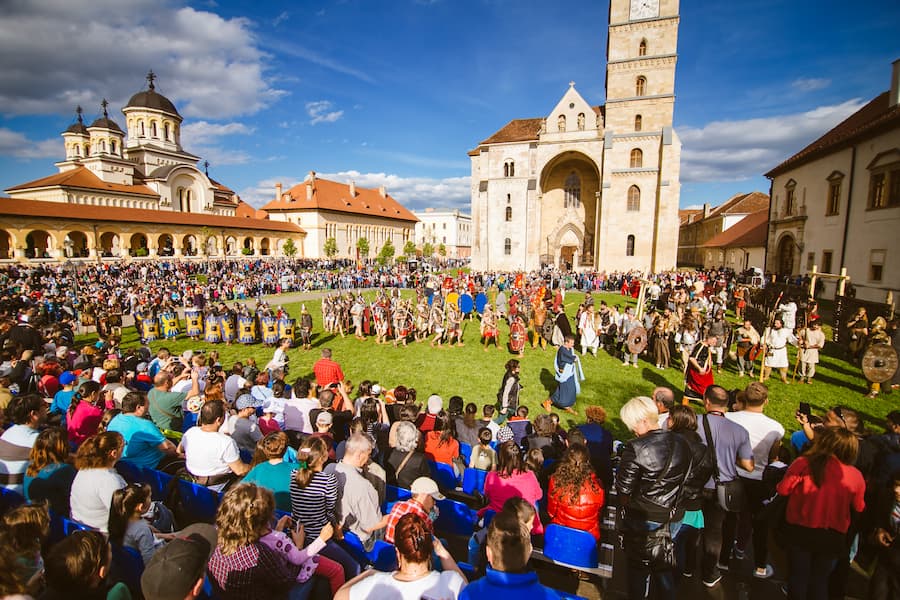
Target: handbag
[
  {"x": 653, "y": 550},
  {"x": 729, "y": 493}
]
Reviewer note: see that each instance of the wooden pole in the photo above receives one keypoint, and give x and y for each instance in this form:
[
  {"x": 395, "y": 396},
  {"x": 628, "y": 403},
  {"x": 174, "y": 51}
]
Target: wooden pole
[
  {"x": 812, "y": 281},
  {"x": 842, "y": 280}
]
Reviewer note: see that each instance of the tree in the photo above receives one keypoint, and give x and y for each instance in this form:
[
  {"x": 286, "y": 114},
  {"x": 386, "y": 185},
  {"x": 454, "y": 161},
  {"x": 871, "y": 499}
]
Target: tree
[
  {"x": 330, "y": 247},
  {"x": 427, "y": 250},
  {"x": 442, "y": 250},
  {"x": 386, "y": 253},
  {"x": 362, "y": 244},
  {"x": 409, "y": 248},
  {"x": 289, "y": 249}
]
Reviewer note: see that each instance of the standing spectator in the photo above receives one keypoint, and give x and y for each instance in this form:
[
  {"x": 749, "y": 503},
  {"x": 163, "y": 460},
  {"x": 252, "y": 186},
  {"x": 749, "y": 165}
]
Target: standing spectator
[
  {"x": 651, "y": 477},
  {"x": 511, "y": 479},
  {"x": 765, "y": 441},
  {"x": 326, "y": 370},
  {"x": 665, "y": 400},
  {"x": 731, "y": 448},
  {"x": 575, "y": 496},
  {"x": 49, "y": 476},
  {"x": 93, "y": 487},
  {"x": 145, "y": 445},
  {"x": 27, "y": 413},
  {"x": 823, "y": 491}
]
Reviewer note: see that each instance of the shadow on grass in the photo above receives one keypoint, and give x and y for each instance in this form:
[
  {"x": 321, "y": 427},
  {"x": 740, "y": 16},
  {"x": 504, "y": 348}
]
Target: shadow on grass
[{"x": 548, "y": 381}]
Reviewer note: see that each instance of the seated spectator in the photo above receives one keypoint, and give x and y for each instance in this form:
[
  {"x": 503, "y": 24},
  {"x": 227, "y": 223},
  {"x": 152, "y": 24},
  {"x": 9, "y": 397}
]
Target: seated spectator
[
  {"x": 27, "y": 413},
  {"x": 25, "y": 530},
  {"x": 359, "y": 507},
  {"x": 271, "y": 409},
  {"x": 406, "y": 412},
  {"x": 242, "y": 566},
  {"x": 269, "y": 470},
  {"x": 424, "y": 492},
  {"x": 211, "y": 457},
  {"x": 508, "y": 552},
  {"x": 599, "y": 443},
  {"x": 324, "y": 423},
  {"x": 166, "y": 405},
  {"x": 520, "y": 425},
  {"x": 85, "y": 412},
  {"x": 49, "y": 475},
  {"x": 78, "y": 568},
  {"x": 543, "y": 438},
  {"x": 334, "y": 401},
  {"x": 487, "y": 419},
  {"x": 467, "y": 426},
  {"x": 245, "y": 432},
  {"x": 97, "y": 479},
  {"x": 414, "y": 577},
  {"x": 575, "y": 496},
  {"x": 425, "y": 421},
  {"x": 145, "y": 445},
  {"x": 297, "y": 409},
  {"x": 440, "y": 443},
  {"x": 511, "y": 479},
  {"x": 483, "y": 456},
  {"x": 261, "y": 390},
  {"x": 63, "y": 398},
  {"x": 406, "y": 462},
  {"x": 884, "y": 526},
  {"x": 115, "y": 386},
  {"x": 235, "y": 383},
  {"x": 127, "y": 526},
  {"x": 524, "y": 513},
  {"x": 177, "y": 570}
]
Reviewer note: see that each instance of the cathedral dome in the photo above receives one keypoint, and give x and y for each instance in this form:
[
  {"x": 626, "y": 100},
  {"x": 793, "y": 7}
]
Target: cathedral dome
[
  {"x": 104, "y": 122},
  {"x": 150, "y": 98},
  {"x": 77, "y": 128}
]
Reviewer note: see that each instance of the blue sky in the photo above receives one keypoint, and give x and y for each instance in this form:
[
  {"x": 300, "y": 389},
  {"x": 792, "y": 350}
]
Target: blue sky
[{"x": 396, "y": 92}]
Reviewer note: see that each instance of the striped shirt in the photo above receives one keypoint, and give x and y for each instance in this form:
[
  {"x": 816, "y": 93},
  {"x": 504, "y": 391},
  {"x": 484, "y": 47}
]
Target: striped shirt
[
  {"x": 15, "y": 448},
  {"x": 314, "y": 505}
]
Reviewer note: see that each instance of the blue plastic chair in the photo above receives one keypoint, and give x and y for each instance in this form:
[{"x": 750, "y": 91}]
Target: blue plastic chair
[
  {"x": 392, "y": 493},
  {"x": 473, "y": 481},
  {"x": 129, "y": 471},
  {"x": 10, "y": 499},
  {"x": 158, "y": 481},
  {"x": 382, "y": 555},
  {"x": 200, "y": 503},
  {"x": 61, "y": 527},
  {"x": 455, "y": 518},
  {"x": 443, "y": 475},
  {"x": 568, "y": 596},
  {"x": 188, "y": 421},
  {"x": 128, "y": 566},
  {"x": 465, "y": 450},
  {"x": 571, "y": 547}
]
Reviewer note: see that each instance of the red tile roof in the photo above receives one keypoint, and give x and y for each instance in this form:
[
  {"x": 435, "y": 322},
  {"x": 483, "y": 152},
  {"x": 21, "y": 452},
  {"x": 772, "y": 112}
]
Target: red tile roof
[
  {"x": 742, "y": 204},
  {"x": 15, "y": 207},
  {"x": 749, "y": 232},
  {"x": 245, "y": 211},
  {"x": 334, "y": 196},
  {"x": 84, "y": 178},
  {"x": 873, "y": 119},
  {"x": 684, "y": 216},
  {"x": 522, "y": 130}
]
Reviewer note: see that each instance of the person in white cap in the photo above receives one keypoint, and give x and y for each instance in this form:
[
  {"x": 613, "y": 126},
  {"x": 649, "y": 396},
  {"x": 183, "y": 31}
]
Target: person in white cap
[
  {"x": 424, "y": 494},
  {"x": 425, "y": 422}
]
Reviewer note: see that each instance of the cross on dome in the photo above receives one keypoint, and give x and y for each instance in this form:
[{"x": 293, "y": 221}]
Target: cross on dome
[
  {"x": 104, "y": 104},
  {"x": 571, "y": 84},
  {"x": 80, "y": 112},
  {"x": 151, "y": 77}
]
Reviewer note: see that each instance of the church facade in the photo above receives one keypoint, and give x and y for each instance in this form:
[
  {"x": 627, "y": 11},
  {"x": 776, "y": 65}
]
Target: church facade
[{"x": 590, "y": 187}]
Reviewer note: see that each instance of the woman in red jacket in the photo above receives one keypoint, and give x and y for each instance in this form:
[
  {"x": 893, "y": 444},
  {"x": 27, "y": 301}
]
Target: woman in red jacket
[{"x": 575, "y": 496}]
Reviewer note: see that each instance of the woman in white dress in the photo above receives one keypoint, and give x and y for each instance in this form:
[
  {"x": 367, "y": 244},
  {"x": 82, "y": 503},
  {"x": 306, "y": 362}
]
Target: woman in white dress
[{"x": 586, "y": 327}]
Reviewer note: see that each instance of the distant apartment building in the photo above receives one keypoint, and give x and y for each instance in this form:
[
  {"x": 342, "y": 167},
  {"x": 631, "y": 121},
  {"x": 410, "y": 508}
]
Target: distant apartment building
[
  {"x": 698, "y": 227},
  {"x": 451, "y": 228}
]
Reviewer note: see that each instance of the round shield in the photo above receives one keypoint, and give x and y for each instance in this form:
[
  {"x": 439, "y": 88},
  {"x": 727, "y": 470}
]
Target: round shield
[
  {"x": 636, "y": 340},
  {"x": 453, "y": 299},
  {"x": 517, "y": 335},
  {"x": 879, "y": 363},
  {"x": 466, "y": 304},
  {"x": 480, "y": 302},
  {"x": 754, "y": 352}
]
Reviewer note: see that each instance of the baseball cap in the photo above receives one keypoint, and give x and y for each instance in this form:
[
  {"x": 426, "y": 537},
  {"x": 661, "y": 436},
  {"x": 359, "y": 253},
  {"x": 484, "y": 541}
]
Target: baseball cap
[
  {"x": 324, "y": 418},
  {"x": 176, "y": 567},
  {"x": 67, "y": 378},
  {"x": 435, "y": 404},
  {"x": 426, "y": 485},
  {"x": 245, "y": 401},
  {"x": 377, "y": 389}
]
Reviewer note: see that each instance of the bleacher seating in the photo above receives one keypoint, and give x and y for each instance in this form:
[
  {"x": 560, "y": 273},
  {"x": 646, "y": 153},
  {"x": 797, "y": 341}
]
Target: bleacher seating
[
  {"x": 465, "y": 450},
  {"x": 10, "y": 499},
  {"x": 444, "y": 475},
  {"x": 199, "y": 502},
  {"x": 473, "y": 481},
  {"x": 61, "y": 526},
  {"x": 455, "y": 518}
]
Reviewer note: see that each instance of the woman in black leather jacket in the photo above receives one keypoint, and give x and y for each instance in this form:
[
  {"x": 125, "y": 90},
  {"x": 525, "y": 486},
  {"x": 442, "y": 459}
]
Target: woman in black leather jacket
[
  {"x": 652, "y": 473},
  {"x": 683, "y": 422}
]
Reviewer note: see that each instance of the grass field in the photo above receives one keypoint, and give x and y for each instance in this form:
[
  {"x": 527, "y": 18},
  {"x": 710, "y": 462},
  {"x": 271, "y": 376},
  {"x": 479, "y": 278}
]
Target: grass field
[{"x": 475, "y": 375}]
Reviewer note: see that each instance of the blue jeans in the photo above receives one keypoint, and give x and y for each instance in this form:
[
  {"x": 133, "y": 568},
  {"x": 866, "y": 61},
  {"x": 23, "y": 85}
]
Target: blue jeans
[
  {"x": 809, "y": 573},
  {"x": 643, "y": 583}
]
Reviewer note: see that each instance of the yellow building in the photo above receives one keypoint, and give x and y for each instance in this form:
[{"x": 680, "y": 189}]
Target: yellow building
[
  {"x": 700, "y": 226},
  {"x": 133, "y": 193}
]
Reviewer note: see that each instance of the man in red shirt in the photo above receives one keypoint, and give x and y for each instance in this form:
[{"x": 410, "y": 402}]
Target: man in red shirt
[
  {"x": 424, "y": 493},
  {"x": 327, "y": 371}
]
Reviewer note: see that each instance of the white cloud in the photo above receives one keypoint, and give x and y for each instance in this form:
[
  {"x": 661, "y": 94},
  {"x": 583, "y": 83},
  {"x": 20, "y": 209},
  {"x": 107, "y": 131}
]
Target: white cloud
[
  {"x": 204, "y": 132},
  {"x": 415, "y": 193},
  {"x": 281, "y": 18},
  {"x": 15, "y": 144},
  {"x": 810, "y": 84},
  {"x": 320, "y": 112},
  {"x": 296, "y": 51},
  {"x": 738, "y": 150},
  {"x": 55, "y": 54},
  {"x": 692, "y": 207}
]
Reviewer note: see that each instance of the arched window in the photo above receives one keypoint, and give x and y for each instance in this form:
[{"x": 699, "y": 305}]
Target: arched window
[
  {"x": 507, "y": 246},
  {"x": 573, "y": 191},
  {"x": 166, "y": 131},
  {"x": 153, "y": 129},
  {"x": 508, "y": 214},
  {"x": 642, "y": 48},
  {"x": 77, "y": 150},
  {"x": 561, "y": 123},
  {"x": 638, "y": 122},
  {"x": 640, "y": 87},
  {"x": 141, "y": 131},
  {"x": 637, "y": 158},
  {"x": 629, "y": 246},
  {"x": 112, "y": 147},
  {"x": 87, "y": 149},
  {"x": 634, "y": 198},
  {"x": 509, "y": 169}
]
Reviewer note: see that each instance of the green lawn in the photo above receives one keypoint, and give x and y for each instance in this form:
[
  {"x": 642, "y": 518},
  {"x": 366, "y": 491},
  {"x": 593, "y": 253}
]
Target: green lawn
[{"x": 475, "y": 375}]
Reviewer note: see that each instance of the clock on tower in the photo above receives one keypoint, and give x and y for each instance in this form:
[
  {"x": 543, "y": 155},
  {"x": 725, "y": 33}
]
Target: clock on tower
[{"x": 644, "y": 9}]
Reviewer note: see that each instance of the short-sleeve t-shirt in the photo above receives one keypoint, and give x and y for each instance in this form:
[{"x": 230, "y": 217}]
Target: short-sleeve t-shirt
[
  {"x": 142, "y": 440},
  {"x": 275, "y": 477},
  {"x": 764, "y": 432},
  {"x": 732, "y": 442},
  {"x": 447, "y": 584},
  {"x": 208, "y": 453},
  {"x": 165, "y": 408}
]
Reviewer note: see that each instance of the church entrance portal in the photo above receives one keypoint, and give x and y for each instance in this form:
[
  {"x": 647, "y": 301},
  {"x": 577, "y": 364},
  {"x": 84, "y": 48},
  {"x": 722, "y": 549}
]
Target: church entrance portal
[
  {"x": 567, "y": 255},
  {"x": 569, "y": 185}
]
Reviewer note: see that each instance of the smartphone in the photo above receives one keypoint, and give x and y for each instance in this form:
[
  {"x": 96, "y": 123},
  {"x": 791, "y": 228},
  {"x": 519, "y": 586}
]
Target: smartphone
[{"x": 804, "y": 408}]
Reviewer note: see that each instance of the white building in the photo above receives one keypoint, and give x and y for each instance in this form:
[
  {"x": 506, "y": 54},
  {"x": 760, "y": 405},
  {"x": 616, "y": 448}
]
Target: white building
[
  {"x": 836, "y": 203},
  {"x": 590, "y": 187},
  {"x": 451, "y": 228}
]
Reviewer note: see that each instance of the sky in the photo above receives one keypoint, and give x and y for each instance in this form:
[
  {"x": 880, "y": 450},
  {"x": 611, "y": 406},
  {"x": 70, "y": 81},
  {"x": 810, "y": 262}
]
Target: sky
[{"x": 395, "y": 92}]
